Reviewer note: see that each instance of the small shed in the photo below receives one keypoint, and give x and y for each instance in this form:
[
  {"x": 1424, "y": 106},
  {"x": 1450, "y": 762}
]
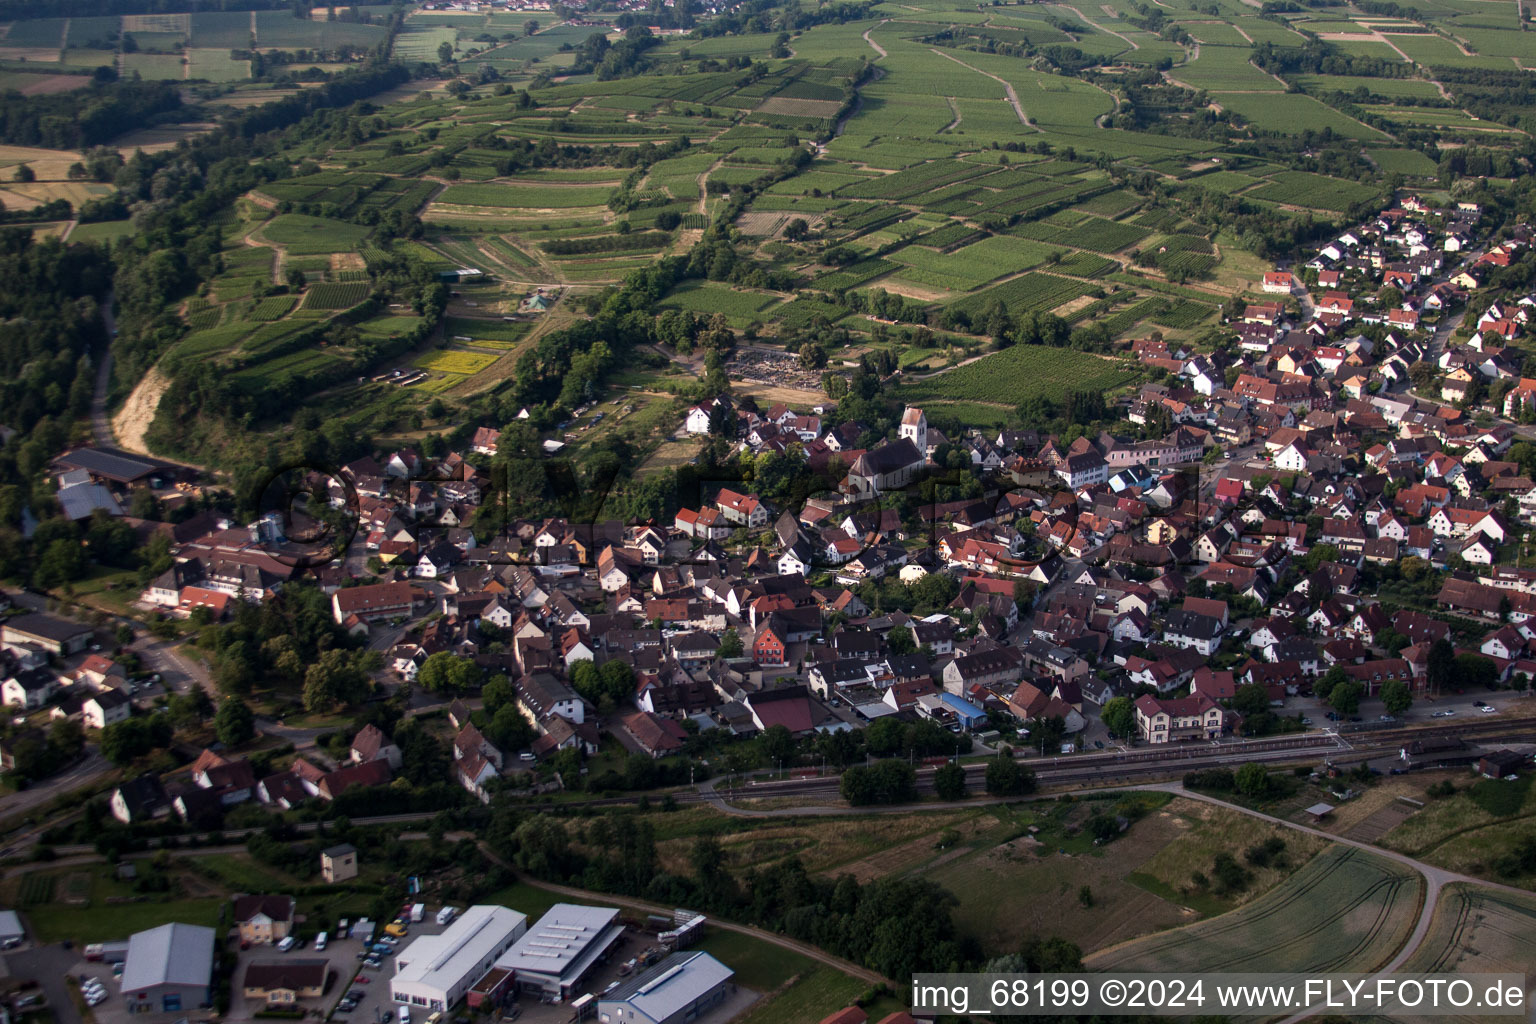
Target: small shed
[
  {"x": 1502, "y": 763},
  {"x": 1320, "y": 811},
  {"x": 11, "y": 930}
]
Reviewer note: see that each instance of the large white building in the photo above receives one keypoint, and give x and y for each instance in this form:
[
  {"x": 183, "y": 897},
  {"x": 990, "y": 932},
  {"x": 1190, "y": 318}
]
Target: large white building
[
  {"x": 436, "y": 971},
  {"x": 559, "y": 952}
]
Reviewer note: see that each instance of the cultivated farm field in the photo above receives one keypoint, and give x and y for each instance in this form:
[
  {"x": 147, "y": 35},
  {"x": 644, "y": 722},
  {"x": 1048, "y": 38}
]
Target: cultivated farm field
[
  {"x": 1346, "y": 910},
  {"x": 1022, "y": 371}
]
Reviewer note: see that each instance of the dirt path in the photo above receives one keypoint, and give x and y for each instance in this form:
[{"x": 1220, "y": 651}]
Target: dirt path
[
  {"x": 877, "y": 47},
  {"x": 1262, "y": 71},
  {"x": 133, "y": 419},
  {"x": 953, "y": 109},
  {"x": 101, "y": 425},
  {"x": 1240, "y": 32},
  {"x": 1013, "y": 97},
  {"x": 1093, "y": 24}
]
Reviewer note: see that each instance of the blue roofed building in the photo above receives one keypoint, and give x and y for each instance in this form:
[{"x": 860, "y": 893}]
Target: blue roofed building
[{"x": 971, "y": 716}]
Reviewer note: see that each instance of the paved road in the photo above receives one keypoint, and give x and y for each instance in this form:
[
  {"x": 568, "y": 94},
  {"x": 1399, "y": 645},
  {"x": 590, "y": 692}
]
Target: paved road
[
  {"x": 101, "y": 424},
  {"x": 92, "y": 766},
  {"x": 177, "y": 671},
  {"x": 48, "y": 965},
  {"x": 804, "y": 949}
]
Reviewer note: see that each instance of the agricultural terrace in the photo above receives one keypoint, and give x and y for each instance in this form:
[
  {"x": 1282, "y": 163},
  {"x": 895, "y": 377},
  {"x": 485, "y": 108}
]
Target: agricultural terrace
[{"x": 1086, "y": 174}]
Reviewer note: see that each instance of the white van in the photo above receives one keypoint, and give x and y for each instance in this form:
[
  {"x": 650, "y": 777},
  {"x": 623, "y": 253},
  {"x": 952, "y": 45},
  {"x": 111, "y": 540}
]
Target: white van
[
  {"x": 286, "y": 944},
  {"x": 320, "y": 941},
  {"x": 405, "y": 1015}
]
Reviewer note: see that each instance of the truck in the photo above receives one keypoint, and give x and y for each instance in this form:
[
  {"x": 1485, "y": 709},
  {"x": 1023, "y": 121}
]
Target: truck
[
  {"x": 446, "y": 914},
  {"x": 107, "y": 952},
  {"x": 418, "y": 911}
]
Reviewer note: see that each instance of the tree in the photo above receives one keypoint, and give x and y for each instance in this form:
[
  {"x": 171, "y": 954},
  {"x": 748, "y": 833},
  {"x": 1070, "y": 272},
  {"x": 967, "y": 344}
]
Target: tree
[
  {"x": 949, "y": 781},
  {"x": 1328, "y": 680},
  {"x": 25, "y": 173},
  {"x": 730, "y": 644},
  {"x": 530, "y": 27},
  {"x": 445, "y": 53},
  {"x": 497, "y": 693},
  {"x": 445, "y": 672},
  {"x": 192, "y": 707},
  {"x": 1440, "y": 664},
  {"x": 891, "y": 781},
  {"x": 234, "y": 723},
  {"x": 1345, "y": 698},
  {"x": 1250, "y": 699},
  {"x": 336, "y": 677},
  {"x": 1006, "y": 777},
  {"x": 1396, "y": 695},
  {"x": 1252, "y": 779},
  {"x": 1119, "y": 717},
  {"x": 778, "y": 745}
]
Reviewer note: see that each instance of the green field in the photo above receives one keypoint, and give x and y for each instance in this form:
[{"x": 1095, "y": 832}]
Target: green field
[
  {"x": 1014, "y": 374},
  {"x": 532, "y": 197},
  {"x": 708, "y": 297},
  {"x": 302, "y": 235},
  {"x": 1344, "y": 911}
]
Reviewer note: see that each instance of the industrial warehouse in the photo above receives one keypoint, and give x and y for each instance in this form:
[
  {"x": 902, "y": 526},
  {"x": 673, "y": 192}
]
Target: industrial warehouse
[
  {"x": 436, "y": 971},
  {"x": 558, "y": 953},
  {"x": 681, "y": 988}
]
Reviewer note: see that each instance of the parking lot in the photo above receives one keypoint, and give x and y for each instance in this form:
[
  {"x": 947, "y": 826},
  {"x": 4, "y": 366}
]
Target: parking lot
[{"x": 348, "y": 965}]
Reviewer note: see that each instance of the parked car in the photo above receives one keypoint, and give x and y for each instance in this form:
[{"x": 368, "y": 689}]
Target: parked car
[
  {"x": 373, "y": 963},
  {"x": 287, "y": 944}
]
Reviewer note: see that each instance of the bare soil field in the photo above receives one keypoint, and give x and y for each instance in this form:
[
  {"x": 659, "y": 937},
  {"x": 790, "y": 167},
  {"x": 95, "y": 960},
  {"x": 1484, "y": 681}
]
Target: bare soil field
[
  {"x": 771, "y": 393},
  {"x": 154, "y": 140},
  {"x": 48, "y": 164},
  {"x": 133, "y": 419},
  {"x": 50, "y": 84}
]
